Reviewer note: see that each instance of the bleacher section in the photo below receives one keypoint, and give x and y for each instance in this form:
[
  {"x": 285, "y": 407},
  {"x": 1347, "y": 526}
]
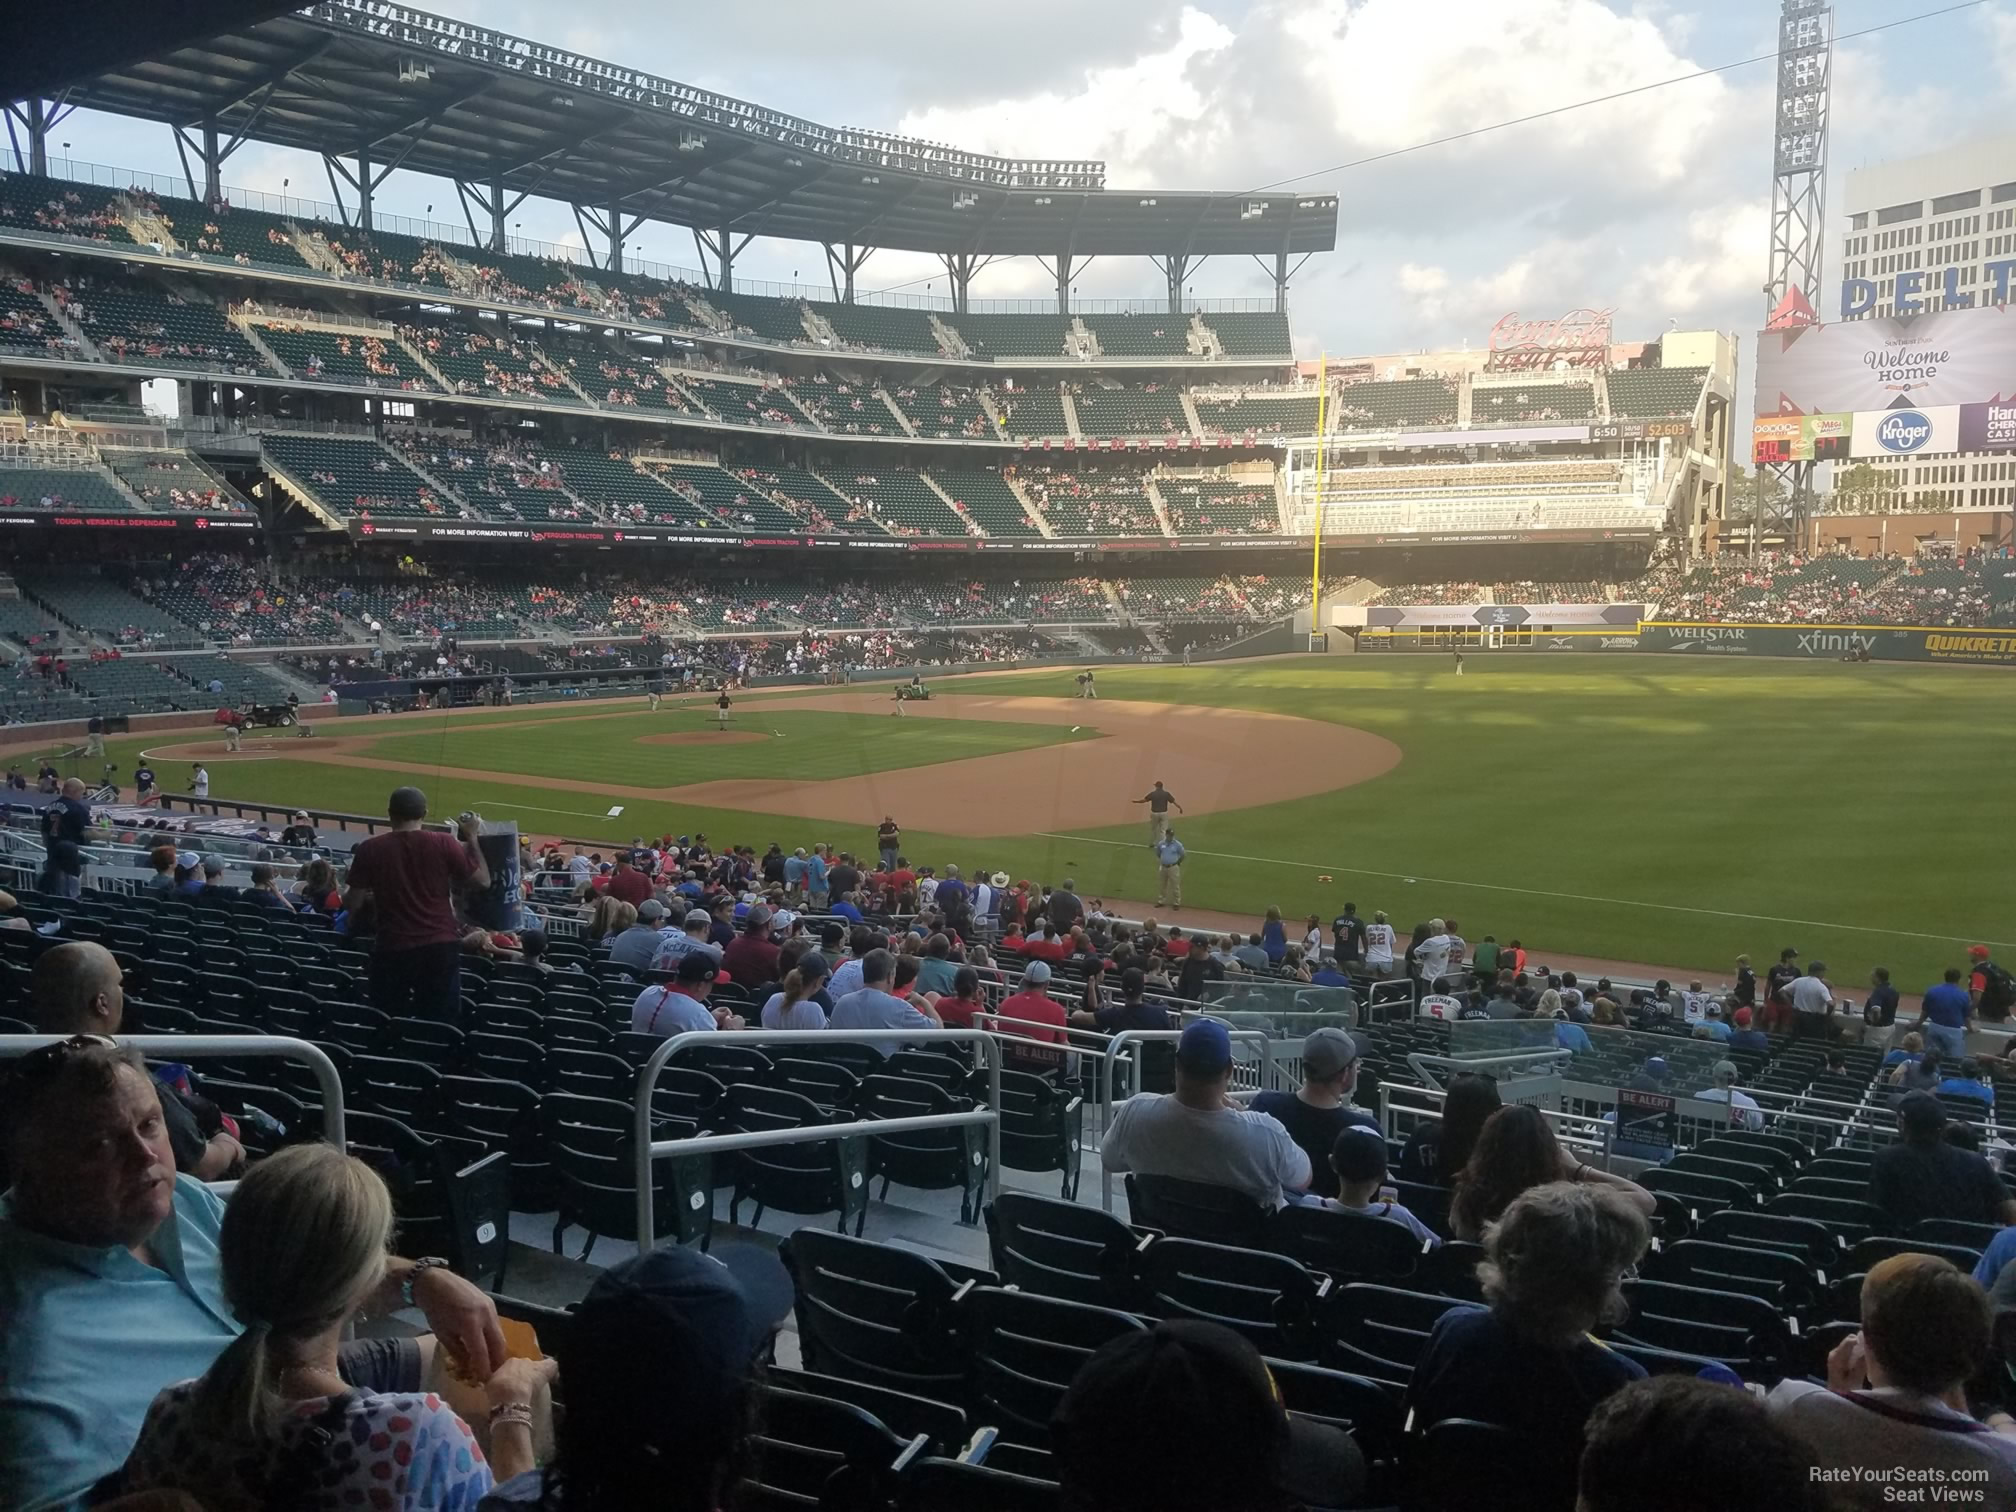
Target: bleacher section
[
  {"x": 623, "y": 492},
  {"x": 987, "y": 498},
  {"x": 731, "y": 500},
  {"x": 881, "y": 328},
  {"x": 901, "y": 502},
  {"x": 228, "y": 598},
  {"x": 490, "y": 361},
  {"x": 744, "y": 403},
  {"x": 1259, "y": 414},
  {"x": 99, "y": 607},
  {"x": 356, "y": 478},
  {"x": 34, "y": 203},
  {"x": 1253, "y": 334},
  {"x": 501, "y": 483},
  {"x": 1142, "y": 335},
  {"x": 761, "y": 316},
  {"x": 174, "y": 480},
  {"x": 1656, "y": 393},
  {"x": 1215, "y": 506},
  {"x": 1131, "y": 412},
  {"x": 241, "y": 682},
  {"x": 616, "y": 379},
  {"x": 817, "y": 507},
  {"x": 852, "y": 409},
  {"x": 1403, "y": 402},
  {"x": 944, "y": 411},
  {"x": 1091, "y": 501},
  {"x": 26, "y": 326},
  {"x": 994, "y": 336},
  {"x": 229, "y": 235},
  {"x": 1029, "y": 414},
  {"x": 134, "y": 323},
  {"x": 340, "y": 357},
  {"x": 1532, "y": 402},
  {"x": 60, "y": 489}
]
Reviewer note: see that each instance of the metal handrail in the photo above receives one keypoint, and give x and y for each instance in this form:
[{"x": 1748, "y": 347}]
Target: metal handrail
[
  {"x": 1425, "y": 1065},
  {"x": 650, "y": 1151},
  {"x": 194, "y": 1046},
  {"x": 1150, "y": 1037},
  {"x": 1576, "y": 1129}
]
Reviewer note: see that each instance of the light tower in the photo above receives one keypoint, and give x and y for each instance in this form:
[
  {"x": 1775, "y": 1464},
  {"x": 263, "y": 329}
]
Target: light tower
[{"x": 1798, "y": 220}]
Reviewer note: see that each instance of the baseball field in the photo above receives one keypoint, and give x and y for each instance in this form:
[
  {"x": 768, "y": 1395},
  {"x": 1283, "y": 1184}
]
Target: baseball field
[{"x": 1628, "y": 808}]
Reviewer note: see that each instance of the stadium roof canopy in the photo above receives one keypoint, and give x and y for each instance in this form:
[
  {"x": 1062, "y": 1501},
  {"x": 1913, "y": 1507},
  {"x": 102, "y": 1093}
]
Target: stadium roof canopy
[{"x": 404, "y": 88}]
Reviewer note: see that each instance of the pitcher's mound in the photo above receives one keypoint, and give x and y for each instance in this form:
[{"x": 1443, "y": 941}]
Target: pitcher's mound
[{"x": 703, "y": 738}]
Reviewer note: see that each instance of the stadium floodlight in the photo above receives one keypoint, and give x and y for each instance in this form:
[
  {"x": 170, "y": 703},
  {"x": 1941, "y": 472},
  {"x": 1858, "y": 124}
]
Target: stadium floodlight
[
  {"x": 1042, "y": 199},
  {"x": 871, "y": 178},
  {"x": 1147, "y": 204},
  {"x": 1253, "y": 210},
  {"x": 966, "y": 201},
  {"x": 692, "y": 141},
  {"x": 413, "y": 71}
]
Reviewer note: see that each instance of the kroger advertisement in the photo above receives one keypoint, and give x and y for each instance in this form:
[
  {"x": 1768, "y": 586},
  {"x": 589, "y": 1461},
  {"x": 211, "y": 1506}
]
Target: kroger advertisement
[{"x": 1952, "y": 357}]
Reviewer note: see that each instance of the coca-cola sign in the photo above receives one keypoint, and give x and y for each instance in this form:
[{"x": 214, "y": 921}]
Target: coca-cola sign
[{"x": 1581, "y": 338}]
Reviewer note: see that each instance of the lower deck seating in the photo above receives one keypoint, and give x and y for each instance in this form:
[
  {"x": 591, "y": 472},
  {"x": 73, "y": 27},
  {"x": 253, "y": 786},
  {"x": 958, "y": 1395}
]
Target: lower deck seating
[
  {"x": 1132, "y": 412},
  {"x": 50, "y": 490},
  {"x": 1092, "y": 501},
  {"x": 341, "y": 356},
  {"x": 901, "y": 502},
  {"x": 174, "y": 480},
  {"x": 987, "y": 498},
  {"x": 943, "y": 411}
]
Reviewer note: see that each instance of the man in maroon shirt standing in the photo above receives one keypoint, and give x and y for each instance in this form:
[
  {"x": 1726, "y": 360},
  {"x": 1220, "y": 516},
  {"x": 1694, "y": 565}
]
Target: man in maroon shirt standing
[
  {"x": 408, "y": 878},
  {"x": 750, "y": 959},
  {"x": 628, "y": 883}
]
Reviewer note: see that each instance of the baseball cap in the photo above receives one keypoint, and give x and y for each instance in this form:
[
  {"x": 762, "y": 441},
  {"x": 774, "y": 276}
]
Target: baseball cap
[
  {"x": 1037, "y": 972},
  {"x": 1327, "y": 1051},
  {"x": 757, "y": 917},
  {"x": 1977, "y": 952},
  {"x": 1222, "y": 1436},
  {"x": 1920, "y": 1113},
  {"x": 1724, "y": 1071},
  {"x": 1359, "y": 1153},
  {"x": 1205, "y": 1048},
  {"x": 696, "y": 966},
  {"x": 1741, "y": 1018},
  {"x": 814, "y": 964},
  {"x": 650, "y": 911},
  {"x": 664, "y": 1340},
  {"x": 698, "y": 916},
  {"x": 188, "y": 860}
]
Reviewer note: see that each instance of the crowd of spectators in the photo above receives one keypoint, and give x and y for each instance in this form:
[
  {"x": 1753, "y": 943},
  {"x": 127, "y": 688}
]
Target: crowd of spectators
[{"x": 1788, "y": 588}]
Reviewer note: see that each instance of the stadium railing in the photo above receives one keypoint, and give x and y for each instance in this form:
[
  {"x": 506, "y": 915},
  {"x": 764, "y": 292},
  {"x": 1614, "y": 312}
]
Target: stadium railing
[
  {"x": 193, "y": 1047},
  {"x": 650, "y": 1151},
  {"x": 1402, "y": 1109}
]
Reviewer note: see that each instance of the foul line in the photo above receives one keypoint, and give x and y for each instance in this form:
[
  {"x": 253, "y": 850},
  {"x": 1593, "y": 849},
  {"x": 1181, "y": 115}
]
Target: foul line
[
  {"x": 1542, "y": 892},
  {"x": 533, "y": 808}
]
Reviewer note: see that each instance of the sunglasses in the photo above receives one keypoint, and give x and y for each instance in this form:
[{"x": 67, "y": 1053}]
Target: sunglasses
[{"x": 38, "y": 1065}]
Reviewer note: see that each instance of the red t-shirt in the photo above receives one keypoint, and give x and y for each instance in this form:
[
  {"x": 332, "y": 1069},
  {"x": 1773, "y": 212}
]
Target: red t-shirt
[
  {"x": 633, "y": 887},
  {"x": 1041, "y": 1017},
  {"x": 412, "y": 876},
  {"x": 1046, "y": 950},
  {"x": 899, "y": 879},
  {"x": 957, "y": 1012},
  {"x": 750, "y": 960}
]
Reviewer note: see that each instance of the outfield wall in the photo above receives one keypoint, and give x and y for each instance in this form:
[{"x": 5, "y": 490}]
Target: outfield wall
[{"x": 1899, "y": 643}]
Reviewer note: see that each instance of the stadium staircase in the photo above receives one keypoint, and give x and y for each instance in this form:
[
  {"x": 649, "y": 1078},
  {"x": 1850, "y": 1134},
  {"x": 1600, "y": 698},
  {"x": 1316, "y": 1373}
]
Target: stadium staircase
[
  {"x": 1082, "y": 341},
  {"x": 392, "y": 338},
  {"x": 1464, "y": 407},
  {"x": 1190, "y": 416},
  {"x": 145, "y": 226},
  {"x": 316, "y": 252},
  {"x": 1070, "y": 415},
  {"x": 990, "y": 410},
  {"x": 540, "y": 358},
  {"x": 1159, "y": 504},
  {"x": 1202, "y": 341},
  {"x": 298, "y": 491},
  {"x": 1602, "y": 387},
  {"x": 242, "y": 324},
  {"x": 820, "y": 329},
  {"x": 1043, "y": 526},
  {"x": 973, "y": 526},
  {"x": 1116, "y": 605},
  {"x": 896, "y": 410},
  {"x": 950, "y": 339},
  {"x": 70, "y": 327}
]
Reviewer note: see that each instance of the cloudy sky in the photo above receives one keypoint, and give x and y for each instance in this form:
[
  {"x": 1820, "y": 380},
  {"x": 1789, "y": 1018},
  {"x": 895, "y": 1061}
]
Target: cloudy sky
[{"x": 1656, "y": 205}]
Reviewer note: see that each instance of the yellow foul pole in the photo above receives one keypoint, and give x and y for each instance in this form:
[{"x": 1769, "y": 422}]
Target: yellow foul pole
[{"x": 1316, "y": 556}]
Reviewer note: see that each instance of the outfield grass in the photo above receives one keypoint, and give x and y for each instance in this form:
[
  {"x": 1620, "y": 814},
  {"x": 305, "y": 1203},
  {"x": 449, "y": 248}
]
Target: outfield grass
[
  {"x": 1637, "y": 808},
  {"x": 810, "y": 744}
]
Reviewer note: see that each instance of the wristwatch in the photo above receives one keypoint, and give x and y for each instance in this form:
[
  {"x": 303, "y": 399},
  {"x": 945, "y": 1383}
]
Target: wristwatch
[{"x": 423, "y": 1264}]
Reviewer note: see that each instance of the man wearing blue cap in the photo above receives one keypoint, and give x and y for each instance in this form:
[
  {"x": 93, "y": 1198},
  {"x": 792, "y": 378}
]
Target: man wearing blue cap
[{"x": 1198, "y": 1133}]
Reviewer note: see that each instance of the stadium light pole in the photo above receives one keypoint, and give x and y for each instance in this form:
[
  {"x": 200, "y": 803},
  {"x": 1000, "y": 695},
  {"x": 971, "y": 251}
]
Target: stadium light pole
[{"x": 1316, "y": 553}]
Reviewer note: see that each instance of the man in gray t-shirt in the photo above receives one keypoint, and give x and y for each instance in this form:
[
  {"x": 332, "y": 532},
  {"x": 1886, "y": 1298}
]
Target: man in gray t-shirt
[
  {"x": 1197, "y": 1134},
  {"x": 874, "y": 1006}
]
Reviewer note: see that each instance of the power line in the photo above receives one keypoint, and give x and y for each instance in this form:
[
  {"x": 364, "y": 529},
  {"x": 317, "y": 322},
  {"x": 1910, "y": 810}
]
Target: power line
[
  {"x": 1561, "y": 110},
  {"x": 1621, "y": 94}
]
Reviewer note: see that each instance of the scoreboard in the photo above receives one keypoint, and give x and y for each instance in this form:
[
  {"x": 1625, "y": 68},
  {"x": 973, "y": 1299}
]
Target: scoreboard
[{"x": 1800, "y": 438}]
